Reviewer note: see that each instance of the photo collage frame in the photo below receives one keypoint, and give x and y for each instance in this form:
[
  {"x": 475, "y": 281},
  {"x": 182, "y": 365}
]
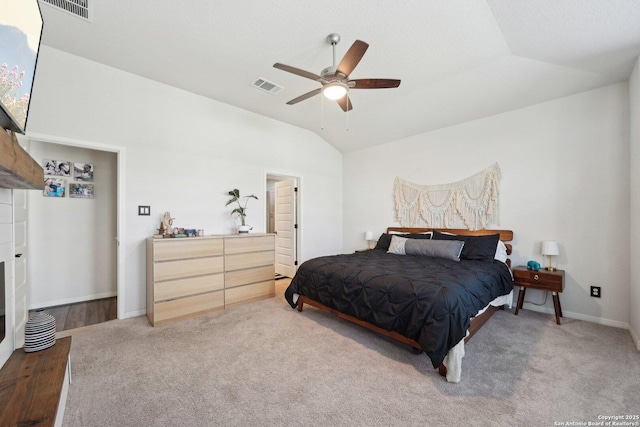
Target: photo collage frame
[{"x": 59, "y": 172}]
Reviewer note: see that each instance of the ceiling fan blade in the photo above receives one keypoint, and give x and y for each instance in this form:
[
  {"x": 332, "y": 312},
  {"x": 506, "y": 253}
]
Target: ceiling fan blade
[
  {"x": 374, "y": 83},
  {"x": 297, "y": 71},
  {"x": 305, "y": 96},
  {"x": 352, "y": 57},
  {"x": 345, "y": 103}
]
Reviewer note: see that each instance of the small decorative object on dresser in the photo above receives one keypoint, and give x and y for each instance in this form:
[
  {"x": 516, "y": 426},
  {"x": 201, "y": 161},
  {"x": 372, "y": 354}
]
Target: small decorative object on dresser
[
  {"x": 544, "y": 280},
  {"x": 241, "y": 210},
  {"x": 167, "y": 222}
]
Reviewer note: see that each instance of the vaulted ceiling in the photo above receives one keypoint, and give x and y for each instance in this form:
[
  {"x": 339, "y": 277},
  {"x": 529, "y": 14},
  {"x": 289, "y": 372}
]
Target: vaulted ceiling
[{"x": 458, "y": 60}]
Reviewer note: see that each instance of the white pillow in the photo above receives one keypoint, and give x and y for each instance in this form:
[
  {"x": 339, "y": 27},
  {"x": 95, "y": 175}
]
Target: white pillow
[
  {"x": 429, "y": 233},
  {"x": 501, "y": 252}
]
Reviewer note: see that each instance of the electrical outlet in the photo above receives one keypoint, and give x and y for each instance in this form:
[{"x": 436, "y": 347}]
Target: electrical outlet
[{"x": 596, "y": 292}]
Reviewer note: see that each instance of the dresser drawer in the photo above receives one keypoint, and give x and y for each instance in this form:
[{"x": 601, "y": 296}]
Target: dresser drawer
[
  {"x": 184, "y": 287},
  {"x": 187, "y": 307},
  {"x": 250, "y": 260},
  {"x": 249, "y": 292},
  {"x": 539, "y": 279},
  {"x": 169, "y": 270},
  {"x": 186, "y": 248},
  {"x": 236, "y": 245},
  {"x": 249, "y": 275}
]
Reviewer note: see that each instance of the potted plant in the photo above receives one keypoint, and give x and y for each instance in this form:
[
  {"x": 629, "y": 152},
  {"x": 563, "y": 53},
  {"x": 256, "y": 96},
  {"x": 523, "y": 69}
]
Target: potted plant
[{"x": 241, "y": 210}]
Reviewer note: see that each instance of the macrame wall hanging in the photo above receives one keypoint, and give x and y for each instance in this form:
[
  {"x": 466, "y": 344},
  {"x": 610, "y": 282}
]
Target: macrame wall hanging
[{"x": 474, "y": 200}]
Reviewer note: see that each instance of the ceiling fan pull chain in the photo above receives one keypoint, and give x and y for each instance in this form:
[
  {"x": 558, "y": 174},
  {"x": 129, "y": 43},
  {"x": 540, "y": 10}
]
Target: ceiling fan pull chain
[
  {"x": 322, "y": 113},
  {"x": 348, "y": 102}
]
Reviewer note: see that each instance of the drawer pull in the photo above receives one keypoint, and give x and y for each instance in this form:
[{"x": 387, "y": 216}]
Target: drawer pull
[{"x": 536, "y": 277}]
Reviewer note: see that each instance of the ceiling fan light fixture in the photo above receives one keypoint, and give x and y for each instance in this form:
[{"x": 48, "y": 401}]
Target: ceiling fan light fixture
[{"x": 335, "y": 90}]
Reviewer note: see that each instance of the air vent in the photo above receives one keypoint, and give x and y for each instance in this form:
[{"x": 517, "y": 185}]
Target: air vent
[
  {"x": 79, "y": 8},
  {"x": 267, "y": 86}
]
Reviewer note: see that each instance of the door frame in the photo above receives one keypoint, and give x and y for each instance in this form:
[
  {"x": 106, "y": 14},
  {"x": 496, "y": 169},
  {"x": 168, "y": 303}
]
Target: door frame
[
  {"x": 281, "y": 177},
  {"x": 120, "y": 197},
  {"x": 18, "y": 337}
]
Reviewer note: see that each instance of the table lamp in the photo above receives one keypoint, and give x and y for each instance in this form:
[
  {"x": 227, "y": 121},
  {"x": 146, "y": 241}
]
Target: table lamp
[
  {"x": 368, "y": 236},
  {"x": 550, "y": 248}
]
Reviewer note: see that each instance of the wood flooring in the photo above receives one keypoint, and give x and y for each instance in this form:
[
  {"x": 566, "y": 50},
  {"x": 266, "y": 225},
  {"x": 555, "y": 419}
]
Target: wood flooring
[{"x": 86, "y": 313}]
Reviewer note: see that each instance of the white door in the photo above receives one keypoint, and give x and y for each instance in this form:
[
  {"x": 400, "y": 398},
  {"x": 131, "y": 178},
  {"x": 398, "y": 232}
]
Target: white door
[
  {"x": 286, "y": 227},
  {"x": 20, "y": 263}
]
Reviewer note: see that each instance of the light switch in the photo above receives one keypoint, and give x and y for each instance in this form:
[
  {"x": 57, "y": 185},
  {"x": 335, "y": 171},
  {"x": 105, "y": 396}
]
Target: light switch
[{"x": 144, "y": 210}]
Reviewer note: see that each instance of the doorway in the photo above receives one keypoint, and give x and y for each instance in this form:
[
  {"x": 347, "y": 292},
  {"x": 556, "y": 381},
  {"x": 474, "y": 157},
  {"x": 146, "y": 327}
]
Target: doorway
[
  {"x": 283, "y": 207},
  {"x": 114, "y": 251}
]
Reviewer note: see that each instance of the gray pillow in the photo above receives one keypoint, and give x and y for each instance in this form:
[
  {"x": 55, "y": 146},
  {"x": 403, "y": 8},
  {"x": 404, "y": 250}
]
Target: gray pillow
[{"x": 447, "y": 249}]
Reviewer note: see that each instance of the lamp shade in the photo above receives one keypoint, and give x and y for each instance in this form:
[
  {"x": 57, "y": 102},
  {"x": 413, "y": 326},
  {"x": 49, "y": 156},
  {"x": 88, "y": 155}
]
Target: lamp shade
[
  {"x": 549, "y": 247},
  {"x": 368, "y": 236}
]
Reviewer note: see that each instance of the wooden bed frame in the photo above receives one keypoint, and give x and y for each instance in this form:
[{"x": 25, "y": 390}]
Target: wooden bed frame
[{"x": 476, "y": 323}]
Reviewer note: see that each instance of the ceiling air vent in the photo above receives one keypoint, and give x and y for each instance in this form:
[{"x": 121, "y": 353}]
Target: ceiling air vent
[
  {"x": 267, "y": 86},
  {"x": 79, "y": 8}
]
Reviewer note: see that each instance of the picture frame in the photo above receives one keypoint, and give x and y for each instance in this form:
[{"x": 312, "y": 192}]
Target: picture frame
[
  {"x": 57, "y": 167},
  {"x": 80, "y": 191},
  {"x": 54, "y": 187},
  {"x": 83, "y": 172}
]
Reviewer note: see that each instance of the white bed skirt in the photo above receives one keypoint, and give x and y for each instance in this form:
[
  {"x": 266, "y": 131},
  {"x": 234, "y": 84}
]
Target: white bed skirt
[{"x": 453, "y": 359}]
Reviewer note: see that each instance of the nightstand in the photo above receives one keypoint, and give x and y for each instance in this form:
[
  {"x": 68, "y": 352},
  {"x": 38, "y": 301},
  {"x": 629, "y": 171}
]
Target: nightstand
[{"x": 545, "y": 280}]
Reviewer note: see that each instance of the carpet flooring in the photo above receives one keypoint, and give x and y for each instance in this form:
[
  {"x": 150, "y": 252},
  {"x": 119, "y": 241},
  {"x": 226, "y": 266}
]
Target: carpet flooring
[{"x": 265, "y": 364}]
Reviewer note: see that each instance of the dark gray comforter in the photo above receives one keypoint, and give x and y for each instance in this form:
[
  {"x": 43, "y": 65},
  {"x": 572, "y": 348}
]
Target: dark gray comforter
[{"x": 430, "y": 300}]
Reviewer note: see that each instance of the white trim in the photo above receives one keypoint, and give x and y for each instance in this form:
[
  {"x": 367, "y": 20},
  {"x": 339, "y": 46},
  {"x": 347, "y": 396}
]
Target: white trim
[
  {"x": 579, "y": 316},
  {"x": 135, "y": 313},
  {"x": 66, "y": 301},
  {"x": 62, "y": 403},
  {"x": 121, "y": 156},
  {"x": 634, "y": 337}
]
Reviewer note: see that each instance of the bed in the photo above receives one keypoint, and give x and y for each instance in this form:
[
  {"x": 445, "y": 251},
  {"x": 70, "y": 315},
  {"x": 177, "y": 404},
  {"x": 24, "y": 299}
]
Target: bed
[{"x": 414, "y": 289}]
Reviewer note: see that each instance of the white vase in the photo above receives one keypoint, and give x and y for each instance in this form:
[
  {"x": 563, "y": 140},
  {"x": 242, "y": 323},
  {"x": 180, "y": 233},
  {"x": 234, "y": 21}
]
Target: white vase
[{"x": 244, "y": 229}]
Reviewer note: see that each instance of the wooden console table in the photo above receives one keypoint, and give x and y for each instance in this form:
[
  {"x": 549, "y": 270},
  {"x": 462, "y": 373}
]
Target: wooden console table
[{"x": 33, "y": 386}]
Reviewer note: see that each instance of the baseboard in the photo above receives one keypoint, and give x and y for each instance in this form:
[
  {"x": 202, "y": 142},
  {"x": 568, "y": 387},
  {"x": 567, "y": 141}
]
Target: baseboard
[
  {"x": 66, "y": 301},
  {"x": 135, "y": 313},
  {"x": 634, "y": 337},
  {"x": 579, "y": 316}
]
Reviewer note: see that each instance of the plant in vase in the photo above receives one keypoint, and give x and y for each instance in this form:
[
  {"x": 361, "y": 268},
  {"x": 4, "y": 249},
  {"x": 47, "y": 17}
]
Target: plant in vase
[{"x": 241, "y": 210}]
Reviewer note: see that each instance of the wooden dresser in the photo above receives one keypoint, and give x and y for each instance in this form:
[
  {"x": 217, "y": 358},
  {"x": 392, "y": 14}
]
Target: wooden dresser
[
  {"x": 249, "y": 269},
  {"x": 191, "y": 276}
]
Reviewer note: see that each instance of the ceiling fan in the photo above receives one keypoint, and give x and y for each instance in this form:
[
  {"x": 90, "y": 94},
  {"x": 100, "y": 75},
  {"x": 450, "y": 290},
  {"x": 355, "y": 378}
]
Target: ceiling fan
[{"x": 335, "y": 80}]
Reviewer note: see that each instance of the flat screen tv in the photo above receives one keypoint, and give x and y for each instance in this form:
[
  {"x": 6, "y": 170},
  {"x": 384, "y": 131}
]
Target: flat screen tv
[{"x": 20, "y": 31}]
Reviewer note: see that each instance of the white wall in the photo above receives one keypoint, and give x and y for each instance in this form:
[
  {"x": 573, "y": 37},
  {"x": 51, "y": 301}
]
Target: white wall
[
  {"x": 73, "y": 252},
  {"x": 6, "y": 255},
  {"x": 634, "y": 104},
  {"x": 183, "y": 154},
  {"x": 565, "y": 175}
]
